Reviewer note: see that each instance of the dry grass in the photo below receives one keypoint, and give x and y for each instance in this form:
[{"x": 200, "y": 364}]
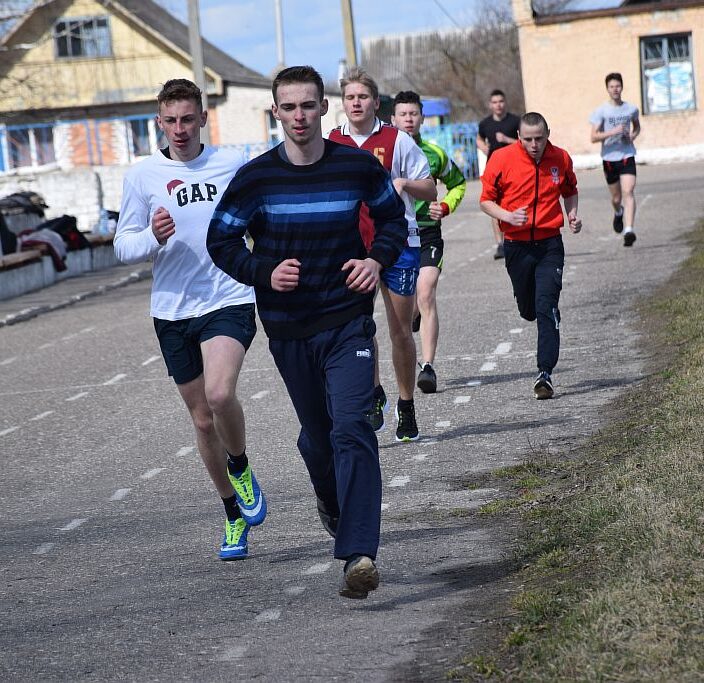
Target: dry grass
[{"x": 614, "y": 553}]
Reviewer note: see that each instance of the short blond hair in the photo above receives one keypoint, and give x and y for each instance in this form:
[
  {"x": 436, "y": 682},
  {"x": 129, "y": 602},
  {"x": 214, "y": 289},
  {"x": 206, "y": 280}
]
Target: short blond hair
[{"x": 358, "y": 75}]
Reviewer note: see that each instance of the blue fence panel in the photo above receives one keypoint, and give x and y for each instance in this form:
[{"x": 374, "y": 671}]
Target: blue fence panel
[{"x": 459, "y": 140}]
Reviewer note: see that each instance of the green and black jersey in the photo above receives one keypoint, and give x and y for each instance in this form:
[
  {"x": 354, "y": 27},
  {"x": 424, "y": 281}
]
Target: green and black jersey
[{"x": 445, "y": 170}]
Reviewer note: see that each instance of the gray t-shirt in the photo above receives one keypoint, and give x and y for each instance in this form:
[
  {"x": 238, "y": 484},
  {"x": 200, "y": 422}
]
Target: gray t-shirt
[{"x": 608, "y": 116}]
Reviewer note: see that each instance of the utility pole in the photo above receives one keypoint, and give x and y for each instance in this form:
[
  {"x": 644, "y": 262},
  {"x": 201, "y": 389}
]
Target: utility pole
[
  {"x": 281, "y": 60},
  {"x": 197, "y": 59},
  {"x": 348, "y": 25}
]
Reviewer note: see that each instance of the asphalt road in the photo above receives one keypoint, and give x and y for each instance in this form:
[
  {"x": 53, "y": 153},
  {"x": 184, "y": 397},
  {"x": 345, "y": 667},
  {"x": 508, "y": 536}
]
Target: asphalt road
[{"x": 110, "y": 529}]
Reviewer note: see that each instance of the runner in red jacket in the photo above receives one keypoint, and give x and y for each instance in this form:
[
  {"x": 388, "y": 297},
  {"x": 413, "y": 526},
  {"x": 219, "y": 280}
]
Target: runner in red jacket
[{"x": 521, "y": 187}]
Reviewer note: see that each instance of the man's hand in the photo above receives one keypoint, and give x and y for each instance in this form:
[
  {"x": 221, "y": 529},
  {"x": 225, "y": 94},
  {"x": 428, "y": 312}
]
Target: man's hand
[
  {"x": 573, "y": 221},
  {"x": 363, "y": 276},
  {"x": 284, "y": 277},
  {"x": 517, "y": 217},
  {"x": 163, "y": 225},
  {"x": 501, "y": 137},
  {"x": 435, "y": 211}
]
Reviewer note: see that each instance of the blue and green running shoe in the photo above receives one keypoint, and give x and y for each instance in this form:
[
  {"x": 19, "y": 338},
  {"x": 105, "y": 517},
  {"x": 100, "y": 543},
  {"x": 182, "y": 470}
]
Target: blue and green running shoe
[
  {"x": 250, "y": 498},
  {"x": 234, "y": 544}
]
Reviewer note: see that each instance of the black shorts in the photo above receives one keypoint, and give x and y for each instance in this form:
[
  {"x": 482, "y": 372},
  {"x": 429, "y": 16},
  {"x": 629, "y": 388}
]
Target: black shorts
[
  {"x": 180, "y": 340},
  {"x": 613, "y": 170},
  {"x": 431, "y": 247}
]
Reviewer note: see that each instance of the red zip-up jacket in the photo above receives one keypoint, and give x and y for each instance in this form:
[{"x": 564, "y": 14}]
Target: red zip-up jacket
[{"x": 513, "y": 180}]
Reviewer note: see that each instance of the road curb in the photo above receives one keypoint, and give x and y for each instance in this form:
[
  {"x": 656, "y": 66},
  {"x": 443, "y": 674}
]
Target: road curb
[{"x": 34, "y": 311}]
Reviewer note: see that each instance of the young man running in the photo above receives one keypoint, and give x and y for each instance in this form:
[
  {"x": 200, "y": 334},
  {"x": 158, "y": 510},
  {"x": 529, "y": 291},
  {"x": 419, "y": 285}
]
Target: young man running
[
  {"x": 315, "y": 284},
  {"x": 408, "y": 116},
  {"x": 497, "y": 130},
  {"x": 521, "y": 188},
  {"x": 616, "y": 125},
  {"x": 410, "y": 172},
  {"x": 203, "y": 319}
]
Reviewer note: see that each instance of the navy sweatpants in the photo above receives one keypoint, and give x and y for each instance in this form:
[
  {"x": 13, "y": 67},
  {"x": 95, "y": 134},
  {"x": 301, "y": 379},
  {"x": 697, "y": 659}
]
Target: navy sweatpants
[
  {"x": 330, "y": 379},
  {"x": 535, "y": 269}
]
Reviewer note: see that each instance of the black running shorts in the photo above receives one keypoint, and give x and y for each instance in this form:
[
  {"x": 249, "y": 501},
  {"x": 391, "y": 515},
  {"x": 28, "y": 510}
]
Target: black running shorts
[
  {"x": 613, "y": 170},
  {"x": 180, "y": 340},
  {"x": 431, "y": 247}
]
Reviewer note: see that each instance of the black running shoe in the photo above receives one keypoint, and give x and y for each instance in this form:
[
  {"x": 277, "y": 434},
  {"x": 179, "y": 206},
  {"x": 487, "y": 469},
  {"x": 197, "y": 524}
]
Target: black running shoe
[
  {"x": 329, "y": 521},
  {"x": 415, "y": 325},
  {"x": 499, "y": 253},
  {"x": 618, "y": 223},
  {"x": 407, "y": 429},
  {"x": 629, "y": 238},
  {"x": 427, "y": 381},
  {"x": 543, "y": 386},
  {"x": 379, "y": 407}
]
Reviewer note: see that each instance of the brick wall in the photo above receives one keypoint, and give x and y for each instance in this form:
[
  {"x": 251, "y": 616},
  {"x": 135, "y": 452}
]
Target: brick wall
[{"x": 564, "y": 65}]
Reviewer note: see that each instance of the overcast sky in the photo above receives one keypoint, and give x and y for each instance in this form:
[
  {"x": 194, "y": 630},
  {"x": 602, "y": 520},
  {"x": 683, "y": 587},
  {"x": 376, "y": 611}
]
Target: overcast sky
[{"x": 245, "y": 29}]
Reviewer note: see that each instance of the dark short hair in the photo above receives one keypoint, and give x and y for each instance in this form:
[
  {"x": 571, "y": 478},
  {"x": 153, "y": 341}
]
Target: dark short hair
[
  {"x": 180, "y": 89},
  {"x": 408, "y": 97},
  {"x": 533, "y": 118},
  {"x": 497, "y": 93},
  {"x": 613, "y": 76},
  {"x": 298, "y": 74}
]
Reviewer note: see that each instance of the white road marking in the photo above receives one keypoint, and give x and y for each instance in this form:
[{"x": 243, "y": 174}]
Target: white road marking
[
  {"x": 516, "y": 330},
  {"x": 318, "y": 569},
  {"x": 115, "y": 379},
  {"x": 384, "y": 506},
  {"x": 77, "y": 396},
  {"x": 503, "y": 348},
  {"x": 473, "y": 259},
  {"x": 69, "y": 336},
  {"x": 442, "y": 423},
  {"x": 463, "y": 399},
  {"x": 43, "y": 549},
  {"x": 41, "y": 416},
  {"x": 488, "y": 367},
  {"x": 420, "y": 457},
  {"x": 294, "y": 590},
  {"x": 151, "y": 473},
  {"x": 7, "y": 361},
  {"x": 260, "y": 394},
  {"x": 73, "y": 524},
  {"x": 474, "y": 383},
  {"x": 231, "y": 652},
  {"x": 150, "y": 360},
  {"x": 85, "y": 330},
  {"x": 398, "y": 482},
  {"x": 186, "y": 450},
  {"x": 269, "y": 615},
  {"x": 46, "y": 346},
  {"x": 9, "y": 430},
  {"x": 428, "y": 442},
  {"x": 645, "y": 199},
  {"x": 120, "y": 494}
]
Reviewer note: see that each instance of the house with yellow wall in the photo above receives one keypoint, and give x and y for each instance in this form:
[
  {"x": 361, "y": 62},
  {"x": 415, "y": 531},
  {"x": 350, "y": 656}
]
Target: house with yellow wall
[
  {"x": 658, "y": 47},
  {"x": 79, "y": 78}
]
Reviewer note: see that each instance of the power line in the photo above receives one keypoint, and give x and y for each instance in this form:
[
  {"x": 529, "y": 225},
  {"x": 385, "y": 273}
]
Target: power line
[{"x": 447, "y": 14}]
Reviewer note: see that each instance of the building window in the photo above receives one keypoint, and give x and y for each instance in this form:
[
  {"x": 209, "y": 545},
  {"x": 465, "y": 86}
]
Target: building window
[
  {"x": 85, "y": 37},
  {"x": 668, "y": 73},
  {"x": 273, "y": 130},
  {"x": 30, "y": 146},
  {"x": 139, "y": 136}
]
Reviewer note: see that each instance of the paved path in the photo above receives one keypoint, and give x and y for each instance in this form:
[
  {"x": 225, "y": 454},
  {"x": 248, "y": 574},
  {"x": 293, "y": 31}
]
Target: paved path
[{"x": 109, "y": 526}]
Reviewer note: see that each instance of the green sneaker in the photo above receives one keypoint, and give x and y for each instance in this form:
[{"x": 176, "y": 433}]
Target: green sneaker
[
  {"x": 250, "y": 498},
  {"x": 234, "y": 544}
]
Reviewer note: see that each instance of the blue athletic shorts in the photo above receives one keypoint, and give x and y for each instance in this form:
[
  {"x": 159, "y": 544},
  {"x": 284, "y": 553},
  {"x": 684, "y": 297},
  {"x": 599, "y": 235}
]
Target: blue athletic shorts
[
  {"x": 180, "y": 340},
  {"x": 401, "y": 278}
]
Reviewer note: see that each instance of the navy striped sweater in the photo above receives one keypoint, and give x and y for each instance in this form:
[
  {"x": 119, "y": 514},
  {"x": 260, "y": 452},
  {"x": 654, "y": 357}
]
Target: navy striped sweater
[{"x": 310, "y": 213}]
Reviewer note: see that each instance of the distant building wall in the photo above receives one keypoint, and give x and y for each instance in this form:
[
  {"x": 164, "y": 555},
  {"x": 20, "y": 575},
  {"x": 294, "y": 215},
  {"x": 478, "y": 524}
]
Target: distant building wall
[{"x": 564, "y": 63}]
